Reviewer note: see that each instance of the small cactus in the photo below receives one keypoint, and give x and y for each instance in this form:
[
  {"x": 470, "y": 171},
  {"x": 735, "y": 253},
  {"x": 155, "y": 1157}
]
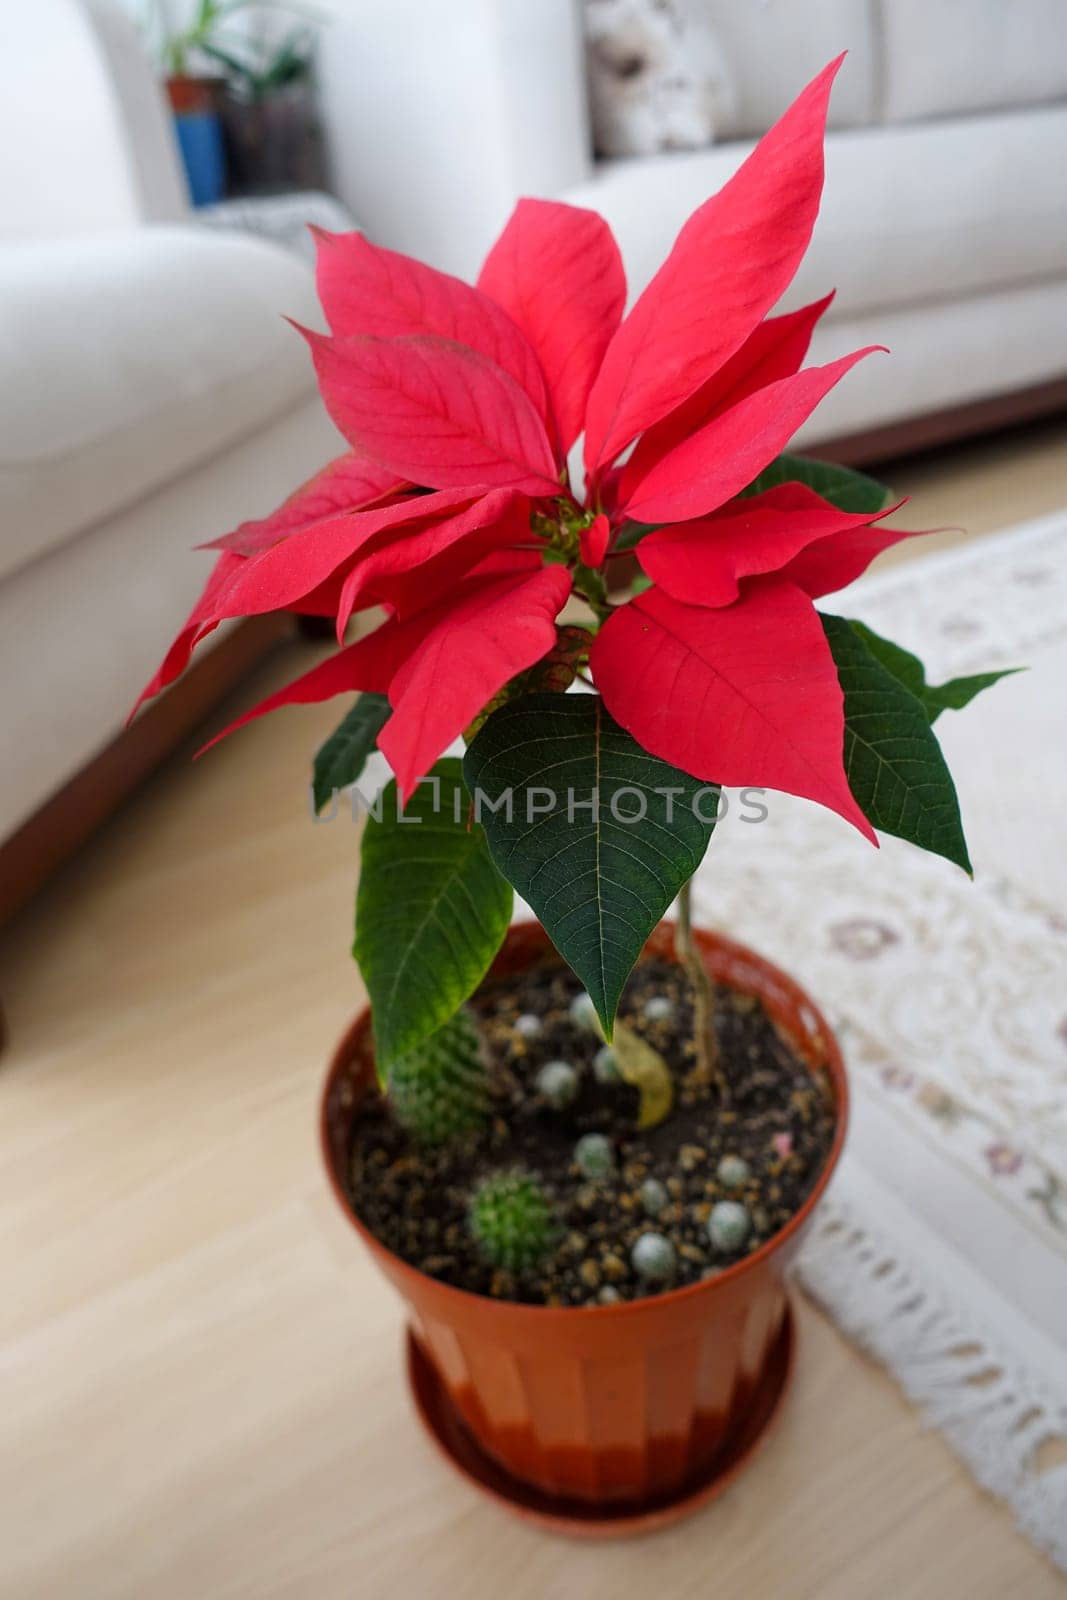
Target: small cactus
[
  {"x": 583, "y": 1012},
  {"x": 440, "y": 1090},
  {"x": 659, "y": 1008},
  {"x": 528, "y": 1026},
  {"x": 654, "y": 1197},
  {"x": 606, "y": 1065},
  {"x": 594, "y": 1155},
  {"x": 513, "y": 1221},
  {"x": 653, "y": 1258},
  {"x": 729, "y": 1225},
  {"x": 557, "y": 1082},
  {"x": 733, "y": 1172}
]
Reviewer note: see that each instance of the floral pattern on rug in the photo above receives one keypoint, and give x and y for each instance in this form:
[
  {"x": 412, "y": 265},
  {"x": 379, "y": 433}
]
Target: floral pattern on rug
[
  {"x": 941, "y": 1248},
  {"x": 950, "y": 996}
]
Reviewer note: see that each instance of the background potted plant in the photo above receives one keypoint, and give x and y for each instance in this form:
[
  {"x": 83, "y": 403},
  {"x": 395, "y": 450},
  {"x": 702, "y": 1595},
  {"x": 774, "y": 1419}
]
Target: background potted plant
[
  {"x": 269, "y": 113},
  {"x": 584, "y": 1149},
  {"x": 250, "y": 125}
]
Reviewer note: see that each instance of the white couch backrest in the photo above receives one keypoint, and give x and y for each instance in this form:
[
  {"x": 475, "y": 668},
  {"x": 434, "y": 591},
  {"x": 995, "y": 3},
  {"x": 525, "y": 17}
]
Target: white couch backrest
[
  {"x": 86, "y": 140},
  {"x": 440, "y": 113},
  {"x": 773, "y": 47},
  {"x": 960, "y": 56}
]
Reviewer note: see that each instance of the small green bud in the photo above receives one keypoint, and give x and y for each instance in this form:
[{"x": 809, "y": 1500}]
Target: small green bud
[
  {"x": 594, "y": 1155},
  {"x": 513, "y": 1221},
  {"x": 440, "y": 1090},
  {"x": 654, "y": 1197},
  {"x": 729, "y": 1225},
  {"x": 606, "y": 1065},
  {"x": 557, "y": 1082},
  {"x": 653, "y": 1258},
  {"x": 733, "y": 1172}
]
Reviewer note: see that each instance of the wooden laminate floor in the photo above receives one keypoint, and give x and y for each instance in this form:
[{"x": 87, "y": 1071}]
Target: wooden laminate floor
[{"x": 200, "y": 1374}]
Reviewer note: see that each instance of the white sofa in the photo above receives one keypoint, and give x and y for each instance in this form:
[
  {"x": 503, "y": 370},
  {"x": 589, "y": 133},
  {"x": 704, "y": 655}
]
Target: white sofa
[
  {"x": 944, "y": 224},
  {"x": 151, "y": 397}
]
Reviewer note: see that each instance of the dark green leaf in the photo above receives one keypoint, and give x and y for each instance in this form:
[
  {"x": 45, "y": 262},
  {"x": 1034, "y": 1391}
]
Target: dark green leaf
[
  {"x": 842, "y": 486},
  {"x": 893, "y": 761},
  {"x": 598, "y": 882},
  {"x": 909, "y": 670},
  {"x": 631, "y": 534},
  {"x": 431, "y": 912},
  {"x": 344, "y": 755}
]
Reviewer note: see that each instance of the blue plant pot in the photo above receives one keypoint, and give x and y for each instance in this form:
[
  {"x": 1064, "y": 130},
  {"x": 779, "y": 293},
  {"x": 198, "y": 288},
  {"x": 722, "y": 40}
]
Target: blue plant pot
[{"x": 200, "y": 138}]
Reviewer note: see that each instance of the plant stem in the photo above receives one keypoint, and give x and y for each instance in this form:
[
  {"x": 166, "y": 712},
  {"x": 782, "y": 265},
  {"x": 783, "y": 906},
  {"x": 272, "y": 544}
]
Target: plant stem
[
  {"x": 708, "y": 1068},
  {"x": 589, "y": 585}
]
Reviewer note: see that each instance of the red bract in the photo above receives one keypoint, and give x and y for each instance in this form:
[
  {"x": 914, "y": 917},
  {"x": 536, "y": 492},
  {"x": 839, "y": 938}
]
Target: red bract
[
  {"x": 455, "y": 510},
  {"x": 733, "y": 259},
  {"x": 721, "y": 458},
  {"x": 435, "y": 412},
  {"x": 775, "y": 349},
  {"x": 367, "y": 290},
  {"x": 346, "y": 484},
  {"x": 703, "y": 562},
  {"x": 441, "y": 666},
  {"x": 745, "y": 694},
  {"x": 558, "y": 271}
]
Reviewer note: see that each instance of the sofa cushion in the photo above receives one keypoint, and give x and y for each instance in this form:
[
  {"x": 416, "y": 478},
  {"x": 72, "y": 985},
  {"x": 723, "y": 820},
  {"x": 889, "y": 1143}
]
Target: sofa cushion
[
  {"x": 941, "y": 356},
  {"x": 926, "y": 212},
  {"x": 83, "y": 628},
  {"x": 771, "y": 48},
  {"x": 127, "y": 358},
  {"x": 961, "y": 56}
]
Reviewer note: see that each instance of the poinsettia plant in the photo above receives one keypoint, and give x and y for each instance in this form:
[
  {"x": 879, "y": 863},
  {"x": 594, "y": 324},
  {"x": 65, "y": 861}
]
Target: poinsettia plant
[{"x": 458, "y": 510}]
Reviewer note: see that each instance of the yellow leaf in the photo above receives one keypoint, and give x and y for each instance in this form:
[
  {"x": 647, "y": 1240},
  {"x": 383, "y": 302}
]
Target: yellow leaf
[{"x": 647, "y": 1071}]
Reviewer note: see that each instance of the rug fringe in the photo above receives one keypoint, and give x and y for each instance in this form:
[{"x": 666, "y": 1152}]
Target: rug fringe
[{"x": 995, "y": 1413}]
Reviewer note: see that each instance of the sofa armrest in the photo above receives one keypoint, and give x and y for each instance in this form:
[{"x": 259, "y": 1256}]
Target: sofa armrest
[
  {"x": 180, "y": 350},
  {"x": 440, "y": 117},
  {"x": 87, "y": 138}
]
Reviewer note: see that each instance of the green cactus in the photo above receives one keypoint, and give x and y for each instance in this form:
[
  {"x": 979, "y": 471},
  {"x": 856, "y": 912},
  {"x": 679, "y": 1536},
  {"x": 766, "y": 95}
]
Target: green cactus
[
  {"x": 513, "y": 1221},
  {"x": 653, "y": 1258},
  {"x": 440, "y": 1091},
  {"x": 594, "y": 1155}
]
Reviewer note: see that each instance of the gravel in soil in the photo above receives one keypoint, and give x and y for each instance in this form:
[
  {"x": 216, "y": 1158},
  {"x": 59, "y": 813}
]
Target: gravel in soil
[{"x": 778, "y": 1120}]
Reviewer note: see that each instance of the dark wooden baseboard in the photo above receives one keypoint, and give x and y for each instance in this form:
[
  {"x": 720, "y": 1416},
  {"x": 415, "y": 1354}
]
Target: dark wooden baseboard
[
  {"x": 65, "y": 821},
  {"x": 955, "y": 423}
]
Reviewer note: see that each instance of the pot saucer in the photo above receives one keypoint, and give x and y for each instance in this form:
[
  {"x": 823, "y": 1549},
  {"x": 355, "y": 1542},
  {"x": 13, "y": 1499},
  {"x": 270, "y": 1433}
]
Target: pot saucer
[{"x": 578, "y": 1519}]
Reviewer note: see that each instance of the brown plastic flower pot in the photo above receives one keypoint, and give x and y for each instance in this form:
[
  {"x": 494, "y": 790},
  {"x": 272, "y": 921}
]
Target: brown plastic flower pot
[
  {"x": 615, "y": 1406},
  {"x": 190, "y": 96}
]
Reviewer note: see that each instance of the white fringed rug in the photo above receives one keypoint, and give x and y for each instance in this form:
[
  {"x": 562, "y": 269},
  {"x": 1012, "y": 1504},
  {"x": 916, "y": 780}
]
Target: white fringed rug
[{"x": 942, "y": 1248}]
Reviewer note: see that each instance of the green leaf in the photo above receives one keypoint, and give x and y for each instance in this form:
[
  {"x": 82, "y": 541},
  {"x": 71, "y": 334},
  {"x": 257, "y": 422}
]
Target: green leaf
[
  {"x": 893, "y": 761},
  {"x": 909, "y": 670},
  {"x": 842, "y": 486},
  {"x": 631, "y": 534},
  {"x": 342, "y": 758},
  {"x": 598, "y": 882},
  {"x": 431, "y": 912}
]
